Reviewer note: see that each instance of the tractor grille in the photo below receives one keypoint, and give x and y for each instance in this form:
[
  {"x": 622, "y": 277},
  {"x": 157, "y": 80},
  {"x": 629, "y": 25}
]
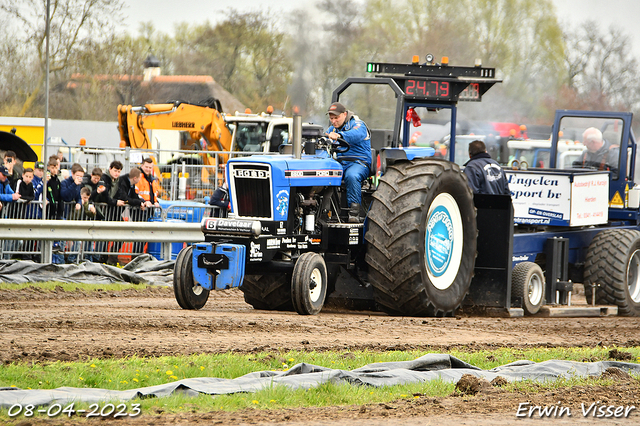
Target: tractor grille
[{"x": 252, "y": 195}]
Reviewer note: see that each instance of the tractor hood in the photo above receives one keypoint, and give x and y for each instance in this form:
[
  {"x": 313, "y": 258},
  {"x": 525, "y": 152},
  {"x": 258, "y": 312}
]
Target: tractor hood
[
  {"x": 254, "y": 179},
  {"x": 310, "y": 170}
]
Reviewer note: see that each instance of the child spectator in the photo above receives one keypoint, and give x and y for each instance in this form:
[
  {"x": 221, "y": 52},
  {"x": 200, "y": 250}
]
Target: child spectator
[
  {"x": 62, "y": 161},
  {"x": 70, "y": 187},
  {"x": 87, "y": 211},
  {"x": 35, "y": 209},
  {"x": 32, "y": 211},
  {"x": 37, "y": 183},
  {"x": 24, "y": 187}
]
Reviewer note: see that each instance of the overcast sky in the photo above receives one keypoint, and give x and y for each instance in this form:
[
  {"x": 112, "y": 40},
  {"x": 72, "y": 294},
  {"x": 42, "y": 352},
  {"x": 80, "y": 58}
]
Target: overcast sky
[{"x": 164, "y": 13}]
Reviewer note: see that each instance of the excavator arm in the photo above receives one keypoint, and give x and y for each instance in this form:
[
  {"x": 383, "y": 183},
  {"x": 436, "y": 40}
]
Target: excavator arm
[{"x": 199, "y": 121}]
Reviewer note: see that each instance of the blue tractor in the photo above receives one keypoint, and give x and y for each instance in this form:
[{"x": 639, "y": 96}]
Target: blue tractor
[
  {"x": 288, "y": 243},
  {"x": 427, "y": 244}
]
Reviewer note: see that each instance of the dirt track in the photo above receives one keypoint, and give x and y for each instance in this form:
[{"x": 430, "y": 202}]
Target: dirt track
[{"x": 70, "y": 326}]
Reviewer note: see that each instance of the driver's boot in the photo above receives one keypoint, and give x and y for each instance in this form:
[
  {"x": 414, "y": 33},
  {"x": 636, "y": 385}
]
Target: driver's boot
[{"x": 354, "y": 213}]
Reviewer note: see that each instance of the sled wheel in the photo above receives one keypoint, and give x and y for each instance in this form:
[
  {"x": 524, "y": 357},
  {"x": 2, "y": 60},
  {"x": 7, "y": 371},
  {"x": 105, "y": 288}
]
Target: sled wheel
[
  {"x": 613, "y": 264},
  {"x": 527, "y": 282},
  {"x": 309, "y": 284},
  {"x": 268, "y": 292},
  {"x": 188, "y": 294},
  {"x": 421, "y": 238}
]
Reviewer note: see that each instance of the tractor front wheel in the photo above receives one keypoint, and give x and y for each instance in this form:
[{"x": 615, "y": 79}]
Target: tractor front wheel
[
  {"x": 309, "y": 284},
  {"x": 188, "y": 294}
]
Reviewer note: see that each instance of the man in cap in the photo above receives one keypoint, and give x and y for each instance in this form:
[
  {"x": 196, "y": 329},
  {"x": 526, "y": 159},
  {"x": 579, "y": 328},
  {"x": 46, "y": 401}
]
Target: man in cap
[{"x": 346, "y": 125}]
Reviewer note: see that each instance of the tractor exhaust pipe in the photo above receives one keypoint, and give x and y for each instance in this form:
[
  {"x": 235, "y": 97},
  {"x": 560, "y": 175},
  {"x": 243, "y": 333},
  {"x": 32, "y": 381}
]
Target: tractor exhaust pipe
[{"x": 297, "y": 136}]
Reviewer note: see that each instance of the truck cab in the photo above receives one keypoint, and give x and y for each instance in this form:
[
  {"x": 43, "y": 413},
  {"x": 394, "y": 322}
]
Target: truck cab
[
  {"x": 264, "y": 133},
  {"x": 537, "y": 153}
]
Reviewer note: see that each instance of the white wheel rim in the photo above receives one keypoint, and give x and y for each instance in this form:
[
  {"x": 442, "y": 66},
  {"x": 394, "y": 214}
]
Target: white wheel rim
[
  {"x": 534, "y": 289},
  {"x": 197, "y": 290},
  {"x": 443, "y": 241},
  {"x": 633, "y": 276},
  {"x": 315, "y": 278}
]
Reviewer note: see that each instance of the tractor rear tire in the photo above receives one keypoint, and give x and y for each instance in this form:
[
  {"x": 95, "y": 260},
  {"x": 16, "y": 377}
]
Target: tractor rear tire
[
  {"x": 421, "y": 238},
  {"x": 309, "y": 284},
  {"x": 613, "y": 264},
  {"x": 268, "y": 292},
  {"x": 188, "y": 294},
  {"x": 527, "y": 282}
]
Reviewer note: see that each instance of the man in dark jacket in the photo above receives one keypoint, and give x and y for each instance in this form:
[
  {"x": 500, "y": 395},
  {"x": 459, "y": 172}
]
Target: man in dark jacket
[
  {"x": 110, "y": 183},
  {"x": 127, "y": 193},
  {"x": 71, "y": 186},
  {"x": 54, "y": 197},
  {"x": 92, "y": 181},
  {"x": 127, "y": 189},
  {"x": 220, "y": 199},
  {"x": 485, "y": 176},
  {"x": 54, "y": 203},
  {"x": 106, "y": 191}
]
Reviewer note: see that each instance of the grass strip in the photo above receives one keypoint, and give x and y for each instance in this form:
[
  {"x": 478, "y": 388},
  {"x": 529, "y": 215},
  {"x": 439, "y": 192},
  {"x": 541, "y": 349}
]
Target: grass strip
[{"x": 134, "y": 372}]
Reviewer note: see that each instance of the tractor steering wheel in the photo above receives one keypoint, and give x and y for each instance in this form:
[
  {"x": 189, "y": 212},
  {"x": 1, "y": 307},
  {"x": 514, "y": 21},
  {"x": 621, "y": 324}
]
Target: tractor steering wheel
[{"x": 340, "y": 146}]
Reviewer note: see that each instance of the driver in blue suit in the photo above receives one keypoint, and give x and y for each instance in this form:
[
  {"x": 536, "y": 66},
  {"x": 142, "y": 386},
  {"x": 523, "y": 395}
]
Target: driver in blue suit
[{"x": 346, "y": 125}]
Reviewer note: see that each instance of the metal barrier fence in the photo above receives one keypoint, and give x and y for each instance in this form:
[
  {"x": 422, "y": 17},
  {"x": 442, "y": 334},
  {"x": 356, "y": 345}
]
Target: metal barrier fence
[
  {"x": 183, "y": 175},
  {"x": 114, "y": 249}
]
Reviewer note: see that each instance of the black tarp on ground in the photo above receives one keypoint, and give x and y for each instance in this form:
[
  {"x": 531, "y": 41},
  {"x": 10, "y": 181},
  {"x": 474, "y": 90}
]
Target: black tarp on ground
[
  {"x": 428, "y": 367},
  {"x": 144, "y": 269}
]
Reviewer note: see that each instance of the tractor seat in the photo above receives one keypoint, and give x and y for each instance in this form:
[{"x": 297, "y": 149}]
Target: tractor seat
[{"x": 373, "y": 168}]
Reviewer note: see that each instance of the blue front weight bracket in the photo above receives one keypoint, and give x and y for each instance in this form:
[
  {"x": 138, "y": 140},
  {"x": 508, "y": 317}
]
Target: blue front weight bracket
[{"x": 219, "y": 265}]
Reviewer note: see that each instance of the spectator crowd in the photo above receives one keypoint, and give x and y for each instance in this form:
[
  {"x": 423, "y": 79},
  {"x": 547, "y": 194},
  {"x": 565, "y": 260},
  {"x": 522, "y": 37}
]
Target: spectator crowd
[{"x": 95, "y": 196}]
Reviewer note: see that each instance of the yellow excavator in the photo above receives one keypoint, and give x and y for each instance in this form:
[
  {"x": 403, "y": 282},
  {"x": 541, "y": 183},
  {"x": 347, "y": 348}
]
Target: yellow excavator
[
  {"x": 209, "y": 129},
  {"x": 199, "y": 120},
  {"x": 203, "y": 122}
]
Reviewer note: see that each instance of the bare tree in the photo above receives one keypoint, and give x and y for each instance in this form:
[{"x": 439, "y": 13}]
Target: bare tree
[
  {"x": 602, "y": 70},
  {"x": 71, "y": 22},
  {"x": 246, "y": 54}
]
